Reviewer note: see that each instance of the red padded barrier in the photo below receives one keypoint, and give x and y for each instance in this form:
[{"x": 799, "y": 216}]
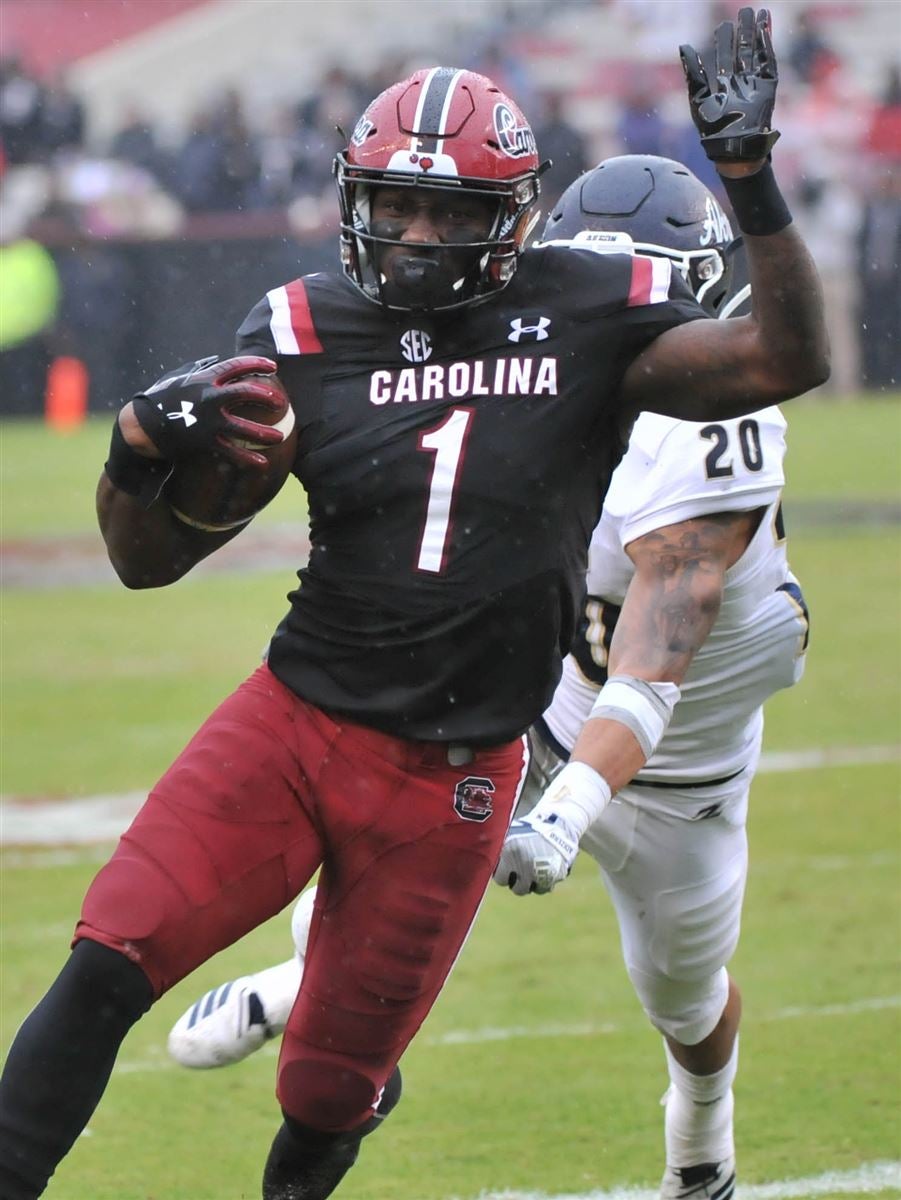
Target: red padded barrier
[{"x": 54, "y": 33}]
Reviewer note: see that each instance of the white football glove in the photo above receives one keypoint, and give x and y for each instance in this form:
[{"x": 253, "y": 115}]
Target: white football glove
[{"x": 540, "y": 849}]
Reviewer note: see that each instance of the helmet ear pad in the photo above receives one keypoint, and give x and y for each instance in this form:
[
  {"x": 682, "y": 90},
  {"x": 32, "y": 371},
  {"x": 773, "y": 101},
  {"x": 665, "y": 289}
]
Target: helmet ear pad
[{"x": 363, "y": 206}]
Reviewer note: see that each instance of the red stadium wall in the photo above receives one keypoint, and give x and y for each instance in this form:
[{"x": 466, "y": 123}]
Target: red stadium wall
[{"x": 50, "y": 34}]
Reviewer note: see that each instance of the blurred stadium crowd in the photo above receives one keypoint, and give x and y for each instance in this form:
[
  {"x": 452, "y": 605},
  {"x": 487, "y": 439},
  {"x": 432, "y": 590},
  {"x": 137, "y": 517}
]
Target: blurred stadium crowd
[{"x": 92, "y": 191}]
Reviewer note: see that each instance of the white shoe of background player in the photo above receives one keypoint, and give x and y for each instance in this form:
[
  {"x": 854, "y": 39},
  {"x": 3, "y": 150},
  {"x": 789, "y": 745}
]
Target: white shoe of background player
[
  {"x": 238, "y": 1017},
  {"x": 709, "y": 1181}
]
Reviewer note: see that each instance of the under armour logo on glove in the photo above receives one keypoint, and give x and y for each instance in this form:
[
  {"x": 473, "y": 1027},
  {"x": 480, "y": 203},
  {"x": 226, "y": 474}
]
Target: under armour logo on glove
[
  {"x": 533, "y": 333},
  {"x": 186, "y": 414},
  {"x": 188, "y": 410}
]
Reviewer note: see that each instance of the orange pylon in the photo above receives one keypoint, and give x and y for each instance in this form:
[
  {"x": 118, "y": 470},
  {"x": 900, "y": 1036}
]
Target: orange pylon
[{"x": 66, "y": 401}]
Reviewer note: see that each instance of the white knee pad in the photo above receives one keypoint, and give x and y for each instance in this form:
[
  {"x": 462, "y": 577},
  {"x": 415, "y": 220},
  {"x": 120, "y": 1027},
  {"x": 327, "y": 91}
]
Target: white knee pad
[
  {"x": 677, "y": 887},
  {"x": 677, "y": 956},
  {"x": 687, "y": 1011}
]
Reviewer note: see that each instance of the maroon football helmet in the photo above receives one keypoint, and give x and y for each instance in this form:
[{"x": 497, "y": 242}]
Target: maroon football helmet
[{"x": 448, "y": 129}]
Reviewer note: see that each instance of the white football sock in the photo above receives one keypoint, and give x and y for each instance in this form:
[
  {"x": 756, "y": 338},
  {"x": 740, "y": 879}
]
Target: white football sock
[
  {"x": 698, "y": 1126},
  {"x": 300, "y": 922},
  {"x": 277, "y": 989},
  {"x": 278, "y": 986}
]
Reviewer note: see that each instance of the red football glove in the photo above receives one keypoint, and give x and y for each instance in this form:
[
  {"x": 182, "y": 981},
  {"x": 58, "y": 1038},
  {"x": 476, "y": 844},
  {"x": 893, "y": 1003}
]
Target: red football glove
[{"x": 188, "y": 410}]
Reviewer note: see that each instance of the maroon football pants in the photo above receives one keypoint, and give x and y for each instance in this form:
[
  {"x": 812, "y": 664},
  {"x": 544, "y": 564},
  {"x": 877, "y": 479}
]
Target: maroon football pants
[{"x": 269, "y": 789}]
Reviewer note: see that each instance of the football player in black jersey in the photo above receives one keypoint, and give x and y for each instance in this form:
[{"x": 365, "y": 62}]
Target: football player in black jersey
[
  {"x": 683, "y": 841},
  {"x": 461, "y": 404}
]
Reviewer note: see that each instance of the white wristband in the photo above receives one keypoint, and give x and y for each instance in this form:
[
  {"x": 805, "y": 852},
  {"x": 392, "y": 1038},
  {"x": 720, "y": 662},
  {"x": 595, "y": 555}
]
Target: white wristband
[
  {"x": 578, "y": 794},
  {"x": 644, "y": 708}
]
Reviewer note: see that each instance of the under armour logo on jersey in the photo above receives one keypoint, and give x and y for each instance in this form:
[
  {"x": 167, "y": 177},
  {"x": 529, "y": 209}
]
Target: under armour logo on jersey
[
  {"x": 416, "y": 346},
  {"x": 186, "y": 414},
  {"x": 535, "y": 333}
]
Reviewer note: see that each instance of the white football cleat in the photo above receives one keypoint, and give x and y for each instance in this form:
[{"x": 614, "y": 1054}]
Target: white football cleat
[
  {"x": 707, "y": 1181},
  {"x": 231, "y": 1021},
  {"x": 235, "y": 1019}
]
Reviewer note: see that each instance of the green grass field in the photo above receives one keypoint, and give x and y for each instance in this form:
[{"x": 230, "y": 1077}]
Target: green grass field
[{"x": 536, "y": 1074}]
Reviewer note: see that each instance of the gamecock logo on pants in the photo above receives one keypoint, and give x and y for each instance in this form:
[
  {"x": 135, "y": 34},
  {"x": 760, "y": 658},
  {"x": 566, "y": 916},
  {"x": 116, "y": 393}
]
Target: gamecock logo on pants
[{"x": 472, "y": 798}]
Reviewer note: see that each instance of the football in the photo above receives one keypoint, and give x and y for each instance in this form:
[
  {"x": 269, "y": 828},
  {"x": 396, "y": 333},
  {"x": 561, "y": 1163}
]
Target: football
[{"x": 209, "y": 490}]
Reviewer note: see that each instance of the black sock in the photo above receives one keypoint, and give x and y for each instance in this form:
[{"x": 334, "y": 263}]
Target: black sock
[
  {"x": 306, "y": 1164},
  {"x": 61, "y": 1061}
]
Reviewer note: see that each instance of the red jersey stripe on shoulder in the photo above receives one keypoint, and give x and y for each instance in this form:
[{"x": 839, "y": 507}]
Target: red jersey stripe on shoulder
[
  {"x": 291, "y": 323},
  {"x": 650, "y": 280}
]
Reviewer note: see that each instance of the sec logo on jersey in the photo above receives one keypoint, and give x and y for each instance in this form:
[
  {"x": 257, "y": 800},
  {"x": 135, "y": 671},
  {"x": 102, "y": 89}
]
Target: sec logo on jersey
[{"x": 416, "y": 346}]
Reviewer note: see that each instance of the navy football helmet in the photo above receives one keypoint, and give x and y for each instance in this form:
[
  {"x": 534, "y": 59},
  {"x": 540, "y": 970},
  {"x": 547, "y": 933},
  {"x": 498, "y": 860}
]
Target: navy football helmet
[{"x": 650, "y": 205}]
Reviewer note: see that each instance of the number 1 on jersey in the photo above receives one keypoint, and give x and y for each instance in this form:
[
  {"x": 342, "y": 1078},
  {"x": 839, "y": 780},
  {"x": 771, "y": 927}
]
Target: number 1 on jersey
[{"x": 446, "y": 442}]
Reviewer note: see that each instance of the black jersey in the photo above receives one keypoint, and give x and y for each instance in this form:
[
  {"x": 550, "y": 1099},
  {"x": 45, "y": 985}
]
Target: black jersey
[{"x": 455, "y": 466}]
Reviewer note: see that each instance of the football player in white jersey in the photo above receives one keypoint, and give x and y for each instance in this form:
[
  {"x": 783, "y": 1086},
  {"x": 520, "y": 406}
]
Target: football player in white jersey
[
  {"x": 688, "y": 567},
  {"x": 692, "y": 620}
]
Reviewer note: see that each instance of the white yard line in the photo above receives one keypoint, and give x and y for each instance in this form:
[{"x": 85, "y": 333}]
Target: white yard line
[
  {"x": 158, "y": 1060},
  {"x": 91, "y": 819},
  {"x": 874, "y": 1004},
  {"x": 836, "y": 756},
  {"x": 75, "y": 822},
  {"x": 472, "y": 1037},
  {"x": 866, "y": 1180}
]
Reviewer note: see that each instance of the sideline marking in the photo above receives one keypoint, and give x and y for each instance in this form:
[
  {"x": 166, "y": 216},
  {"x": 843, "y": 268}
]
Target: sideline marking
[
  {"x": 868, "y": 1179},
  {"x": 82, "y": 822}
]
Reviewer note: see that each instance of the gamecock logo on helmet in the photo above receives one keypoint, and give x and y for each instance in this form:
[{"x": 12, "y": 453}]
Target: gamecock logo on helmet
[
  {"x": 515, "y": 140},
  {"x": 472, "y": 798},
  {"x": 362, "y": 130}
]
